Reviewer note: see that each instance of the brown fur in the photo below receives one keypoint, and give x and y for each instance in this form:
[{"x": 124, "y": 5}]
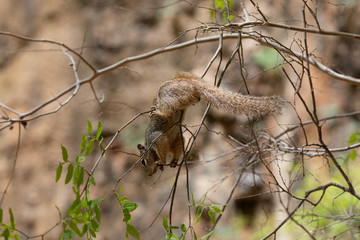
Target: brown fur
[{"x": 163, "y": 136}]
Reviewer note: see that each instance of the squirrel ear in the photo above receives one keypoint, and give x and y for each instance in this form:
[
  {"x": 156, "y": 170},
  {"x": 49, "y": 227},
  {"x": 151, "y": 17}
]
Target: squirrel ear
[{"x": 140, "y": 147}]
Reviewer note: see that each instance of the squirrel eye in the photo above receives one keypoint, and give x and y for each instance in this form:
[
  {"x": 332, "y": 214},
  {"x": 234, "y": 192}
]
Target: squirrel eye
[{"x": 143, "y": 162}]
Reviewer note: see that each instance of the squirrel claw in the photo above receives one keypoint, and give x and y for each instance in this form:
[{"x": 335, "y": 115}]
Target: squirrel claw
[
  {"x": 173, "y": 164},
  {"x": 160, "y": 166}
]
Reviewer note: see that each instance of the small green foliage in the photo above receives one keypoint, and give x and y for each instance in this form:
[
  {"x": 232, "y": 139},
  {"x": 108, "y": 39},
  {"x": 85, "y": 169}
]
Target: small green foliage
[
  {"x": 225, "y": 6},
  {"x": 207, "y": 235},
  {"x": 130, "y": 229},
  {"x": 80, "y": 159},
  {"x": 78, "y": 176},
  {"x": 69, "y": 174},
  {"x": 12, "y": 221},
  {"x": 353, "y": 139},
  {"x": 89, "y": 147},
  {"x": 64, "y": 154},
  {"x": 83, "y": 143},
  {"x": 8, "y": 231},
  {"x": 89, "y": 128},
  {"x": 127, "y": 207},
  {"x": 58, "y": 172},
  {"x": 83, "y": 217},
  {"x": 165, "y": 223},
  {"x": 169, "y": 234},
  {"x": 99, "y": 130},
  {"x": 351, "y": 155},
  {"x": 213, "y": 209},
  {"x": 92, "y": 180},
  {"x": 183, "y": 228}
]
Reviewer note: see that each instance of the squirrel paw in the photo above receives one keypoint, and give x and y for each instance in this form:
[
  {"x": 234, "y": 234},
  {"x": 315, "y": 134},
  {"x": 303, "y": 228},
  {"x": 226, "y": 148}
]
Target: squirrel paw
[
  {"x": 173, "y": 164},
  {"x": 160, "y": 166}
]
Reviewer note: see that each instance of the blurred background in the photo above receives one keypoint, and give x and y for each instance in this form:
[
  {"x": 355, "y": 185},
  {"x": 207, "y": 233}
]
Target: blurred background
[{"x": 105, "y": 32}]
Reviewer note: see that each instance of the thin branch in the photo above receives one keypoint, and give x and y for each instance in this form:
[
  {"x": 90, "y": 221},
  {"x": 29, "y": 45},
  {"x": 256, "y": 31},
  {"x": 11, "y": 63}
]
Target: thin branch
[
  {"x": 236, "y": 184},
  {"x": 320, "y": 120},
  {"x": 320, "y": 66},
  {"x": 42, "y": 40},
  {"x": 12, "y": 173},
  {"x": 307, "y": 194},
  {"x": 107, "y": 148}
]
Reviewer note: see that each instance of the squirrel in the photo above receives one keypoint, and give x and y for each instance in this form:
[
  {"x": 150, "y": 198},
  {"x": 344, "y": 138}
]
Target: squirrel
[{"x": 164, "y": 136}]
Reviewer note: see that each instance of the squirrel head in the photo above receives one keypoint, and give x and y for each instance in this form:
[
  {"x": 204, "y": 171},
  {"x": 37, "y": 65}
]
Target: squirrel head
[{"x": 149, "y": 159}]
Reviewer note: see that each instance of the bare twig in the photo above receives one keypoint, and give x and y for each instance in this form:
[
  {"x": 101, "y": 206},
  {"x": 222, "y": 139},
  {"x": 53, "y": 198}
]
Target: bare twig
[{"x": 12, "y": 173}]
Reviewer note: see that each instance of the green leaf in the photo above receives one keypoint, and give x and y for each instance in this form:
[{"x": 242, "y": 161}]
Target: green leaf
[
  {"x": 218, "y": 210},
  {"x": 101, "y": 146},
  {"x": 165, "y": 223},
  {"x": 174, "y": 227},
  {"x": 121, "y": 188},
  {"x": 97, "y": 213},
  {"x": 211, "y": 214},
  {"x": 83, "y": 143},
  {"x": 197, "y": 211},
  {"x": 195, "y": 237},
  {"x": 92, "y": 232},
  {"x": 81, "y": 177},
  {"x": 89, "y": 147},
  {"x": 127, "y": 216},
  {"x": 75, "y": 228},
  {"x": 89, "y": 128},
  {"x": 12, "y": 221},
  {"x": 99, "y": 130},
  {"x": 171, "y": 236},
  {"x": 58, "y": 172},
  {"x": 6, "y": 233},
  {"x": 84, "y": 228},
  {"x": 199, "y": 216},
  {"x": 74, "y": 207},
  {"x": 207, "y": 235},
  {"x": 220, "y": 4},
  {"x": 122, "y": 200},
  {"x": 65, "y": 155},
  {"x": 68, "y": 234},
  {"x": 69, "y": 174},
  {"x": 80, "y": 159},
  {"x": 354, "y": 138},
  {"x": 203, "y": 200},
  {"x": 132, "y": 231},
  {"x": 192, "y": 199},
  {"x": 78, "y": 175},
  {"x": 94, "y": 225},
  {"x": 1, "y": 215},
  {"x": 92, "y": 180},
  {"x": 183, "y": 227},
  {"x": 16, "y": 237},
  {"x": 130, "y": 206}
]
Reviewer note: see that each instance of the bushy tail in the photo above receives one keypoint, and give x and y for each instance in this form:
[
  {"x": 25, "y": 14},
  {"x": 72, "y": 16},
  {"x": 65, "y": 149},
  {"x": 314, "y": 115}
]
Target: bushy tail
[
  {"x": 187, "y": 89},
  {"x": 252, "y": 106}
]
